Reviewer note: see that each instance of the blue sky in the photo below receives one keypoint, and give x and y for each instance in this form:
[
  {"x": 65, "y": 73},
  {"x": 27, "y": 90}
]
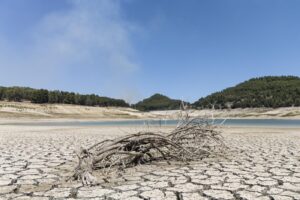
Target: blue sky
[{"x": 132, "y": 49}]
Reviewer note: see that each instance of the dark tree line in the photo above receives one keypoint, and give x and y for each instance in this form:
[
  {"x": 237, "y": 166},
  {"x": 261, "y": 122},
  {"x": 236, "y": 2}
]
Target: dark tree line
[
  {"x": 270, "y": 91},
  {"x": 19, "y": 94}
]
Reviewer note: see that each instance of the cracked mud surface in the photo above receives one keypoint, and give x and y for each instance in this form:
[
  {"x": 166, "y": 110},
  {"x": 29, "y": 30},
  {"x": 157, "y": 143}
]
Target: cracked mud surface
[{"x": 260, "y": 164}]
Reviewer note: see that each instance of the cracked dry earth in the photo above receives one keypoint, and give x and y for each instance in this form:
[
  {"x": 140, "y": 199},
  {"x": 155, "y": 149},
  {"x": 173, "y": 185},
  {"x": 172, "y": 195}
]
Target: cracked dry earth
[{"x": 261, "y": 163}]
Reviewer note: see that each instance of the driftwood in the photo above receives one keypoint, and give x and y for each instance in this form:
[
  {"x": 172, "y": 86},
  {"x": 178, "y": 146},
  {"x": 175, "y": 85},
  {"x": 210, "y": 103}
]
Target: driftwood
[{"x": 192, "y": 139}]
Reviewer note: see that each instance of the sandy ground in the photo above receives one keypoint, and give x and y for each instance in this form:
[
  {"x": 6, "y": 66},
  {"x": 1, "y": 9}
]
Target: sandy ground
[
  {"x": 261, "y": 163},
  {"x": 12, "y": 111},
  {"x": 9, "y": 111},
  {"x": 247, "y": 113}
]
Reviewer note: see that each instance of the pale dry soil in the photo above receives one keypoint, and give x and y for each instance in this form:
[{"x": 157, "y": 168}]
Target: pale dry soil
[
  {"x": 11, "y": 112},
  {"x": 260, "y": 163}
]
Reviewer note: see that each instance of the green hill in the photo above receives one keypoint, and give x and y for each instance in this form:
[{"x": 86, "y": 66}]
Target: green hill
[
  {"x": 158, "y": 102},
  {"x": 269, "y": 91}
]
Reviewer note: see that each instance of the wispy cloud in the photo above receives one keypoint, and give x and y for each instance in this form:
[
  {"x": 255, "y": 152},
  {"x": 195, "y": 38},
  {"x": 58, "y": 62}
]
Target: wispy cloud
[{"x": 89, "y": 41}]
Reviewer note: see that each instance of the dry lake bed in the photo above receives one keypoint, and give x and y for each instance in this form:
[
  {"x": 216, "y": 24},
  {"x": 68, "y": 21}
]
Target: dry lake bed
[{"x": 260, "y": 163}]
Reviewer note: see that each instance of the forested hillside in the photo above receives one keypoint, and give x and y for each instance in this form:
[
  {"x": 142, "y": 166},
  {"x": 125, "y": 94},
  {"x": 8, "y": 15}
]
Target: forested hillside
[
  {"x": 158, "y": 102},
  {"x": 19, "y": 94},
  {"x": 269, "y": 91}
]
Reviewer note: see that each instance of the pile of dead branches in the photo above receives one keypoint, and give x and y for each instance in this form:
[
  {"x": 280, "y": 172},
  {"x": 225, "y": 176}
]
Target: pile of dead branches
[{"x": 192, "y": 139}]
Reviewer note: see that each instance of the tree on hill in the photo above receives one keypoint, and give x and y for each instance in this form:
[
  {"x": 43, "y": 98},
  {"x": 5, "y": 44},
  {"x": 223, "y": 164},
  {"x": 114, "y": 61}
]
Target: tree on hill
[
  {"x": 55, "y": 97},
  {"x": 40, "y": 96},
  {"x": 269, "y": 91},
  {"x": 14, "y": 94},
  {"x": 68, "y": 97},
  {"x": 1, "y": 93}
]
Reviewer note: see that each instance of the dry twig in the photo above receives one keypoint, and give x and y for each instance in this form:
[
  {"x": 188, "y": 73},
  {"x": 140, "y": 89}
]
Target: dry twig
[{"x": 192, "y": 139}]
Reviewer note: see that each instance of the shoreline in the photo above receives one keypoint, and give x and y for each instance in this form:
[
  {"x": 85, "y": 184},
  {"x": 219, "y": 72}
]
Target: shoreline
[
  {"x": 138, "y": 123},
  {"x": 27, "y": 112}
]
